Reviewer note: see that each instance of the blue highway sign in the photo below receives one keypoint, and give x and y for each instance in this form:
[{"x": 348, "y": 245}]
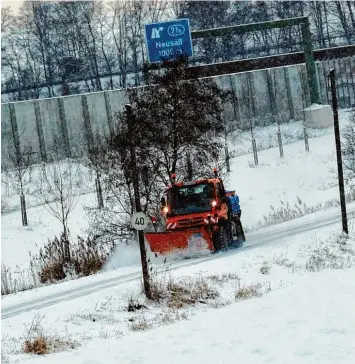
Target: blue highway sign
[{"x": 168, "y": 40}]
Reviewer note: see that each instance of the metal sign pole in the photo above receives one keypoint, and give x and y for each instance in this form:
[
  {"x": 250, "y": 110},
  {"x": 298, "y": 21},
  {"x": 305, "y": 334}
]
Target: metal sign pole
[
  {"x": 145, "y": 272},
  {"x": 331, "y": 77}
]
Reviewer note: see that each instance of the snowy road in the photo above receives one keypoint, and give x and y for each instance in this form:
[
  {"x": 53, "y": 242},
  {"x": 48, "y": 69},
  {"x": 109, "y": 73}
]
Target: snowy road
[{"x": 47, "y": 296}]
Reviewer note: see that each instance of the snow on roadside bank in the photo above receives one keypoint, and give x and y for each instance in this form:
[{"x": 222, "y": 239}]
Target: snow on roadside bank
[
  {"x": 306, "y": 176},
  {"x": 310, "y": 322},
  {"x": 305, "y": 313},
  {"x": 298, "y": 174},
  {"x": 17, "y": 240},
  {"x": 266, "y": 137}
]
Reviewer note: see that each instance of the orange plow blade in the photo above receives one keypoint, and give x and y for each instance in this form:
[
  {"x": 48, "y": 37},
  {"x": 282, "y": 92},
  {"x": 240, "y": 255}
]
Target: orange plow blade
[{"x": 164, "y": 242}]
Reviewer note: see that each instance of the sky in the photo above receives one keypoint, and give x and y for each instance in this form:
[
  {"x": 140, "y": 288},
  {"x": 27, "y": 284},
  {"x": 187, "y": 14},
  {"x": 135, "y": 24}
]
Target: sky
[{"x": 15, "y": 4}]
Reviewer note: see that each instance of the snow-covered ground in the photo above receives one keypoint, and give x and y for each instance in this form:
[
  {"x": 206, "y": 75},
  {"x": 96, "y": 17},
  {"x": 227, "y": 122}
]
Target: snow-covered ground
[
  {"x": 17, "y": 240},
  {"x": 239, "y": 143},
  {"x": 300, "y": 309},
  {"x": 305, "y": 175},
  {"x": 114, "y": 273},
  {"x": 10, "y": 192}
]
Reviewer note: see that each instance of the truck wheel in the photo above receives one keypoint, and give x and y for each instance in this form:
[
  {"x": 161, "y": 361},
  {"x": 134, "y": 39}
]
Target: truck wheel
[
  {"x": 221, "y": 239},
  {"x": 225, "y": 237},
  {"x": 216, "y": 242}
]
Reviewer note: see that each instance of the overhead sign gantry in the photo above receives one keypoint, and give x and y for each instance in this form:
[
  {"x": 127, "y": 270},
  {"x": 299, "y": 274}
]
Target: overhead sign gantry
[{"x": 158, "y": 39}]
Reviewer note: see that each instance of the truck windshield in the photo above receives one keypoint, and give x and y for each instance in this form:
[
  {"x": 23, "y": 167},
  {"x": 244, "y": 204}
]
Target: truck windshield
[{"x": 190, "y": 199}]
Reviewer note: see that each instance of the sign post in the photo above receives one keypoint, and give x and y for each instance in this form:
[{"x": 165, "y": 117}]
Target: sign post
[
  {"x": 344, "y": 218},
  {"x": 139, "y": 220},
  {"x": 168, "y": 40}
]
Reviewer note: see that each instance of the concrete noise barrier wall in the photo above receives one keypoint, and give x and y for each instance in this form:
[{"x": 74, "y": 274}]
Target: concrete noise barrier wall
[{"x": 69, "y": 123}]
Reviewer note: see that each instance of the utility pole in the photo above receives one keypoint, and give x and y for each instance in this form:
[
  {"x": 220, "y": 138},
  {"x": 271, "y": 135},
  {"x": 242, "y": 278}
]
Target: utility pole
[
  {"x": 226, "y": 151},
  {"x": 135, "y": 180},
  {"x": 189, "y": 167},
  {"x": 331, "y": 78},
  {"x": 253, "y": 143}
]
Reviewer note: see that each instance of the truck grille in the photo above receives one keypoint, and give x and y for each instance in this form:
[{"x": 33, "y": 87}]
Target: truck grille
[{"x": 191, "y": 222}]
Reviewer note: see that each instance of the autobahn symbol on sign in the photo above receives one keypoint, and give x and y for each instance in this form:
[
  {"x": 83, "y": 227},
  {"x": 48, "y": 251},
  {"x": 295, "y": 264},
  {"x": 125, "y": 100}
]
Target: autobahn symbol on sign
[{"x": 168, "y": 40}]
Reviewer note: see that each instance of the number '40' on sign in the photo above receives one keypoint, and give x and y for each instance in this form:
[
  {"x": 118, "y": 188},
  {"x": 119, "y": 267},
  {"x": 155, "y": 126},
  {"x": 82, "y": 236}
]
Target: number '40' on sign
[{"x": 139, "y": 221}]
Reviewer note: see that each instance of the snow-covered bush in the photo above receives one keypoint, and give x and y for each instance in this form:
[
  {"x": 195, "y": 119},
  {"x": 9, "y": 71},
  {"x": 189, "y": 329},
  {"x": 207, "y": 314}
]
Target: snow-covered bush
[
  {"x": 337, "y": 252},
  {"x": 87, "y": 257},
  {"x": 179, "y": 293},
  {"x": 4, "y": 206},
  {"x": 287, "y": 212},
  {"x": 248, "y": 291},
  {"x": 39, "y": 343},
  {"x": 17, "y": 281}
]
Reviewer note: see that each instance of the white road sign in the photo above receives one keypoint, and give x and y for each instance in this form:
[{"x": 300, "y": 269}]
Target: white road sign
[{"x": 139, "y": 221}]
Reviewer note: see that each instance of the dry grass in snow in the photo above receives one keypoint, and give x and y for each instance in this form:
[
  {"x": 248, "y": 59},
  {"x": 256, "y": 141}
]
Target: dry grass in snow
[
  {"x": 335, "y": 252},
  {"x": 265, "y": 268},
  {"x": 87, "y": 257},
  {"x": 178, "y": 298},
  {"x": 18, "y": 280},
  {"x": 179, "y": 293},
  {"x": 287, "y": 212},
  {"x": 36, "y": 341}
]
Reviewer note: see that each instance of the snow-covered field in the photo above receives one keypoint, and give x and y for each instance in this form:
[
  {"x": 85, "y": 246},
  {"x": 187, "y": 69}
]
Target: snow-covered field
[
  {"x": 239, "y": 143},
  {"x": 299, "y": 309},
  {"x": 10, "y": 191},
  {"x": 306, "y": 175}
]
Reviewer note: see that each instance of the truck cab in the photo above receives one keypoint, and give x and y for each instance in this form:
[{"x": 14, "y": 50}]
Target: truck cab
[
  {"x": 196, "y": 203},
  {"x": 198, "y": 209}
]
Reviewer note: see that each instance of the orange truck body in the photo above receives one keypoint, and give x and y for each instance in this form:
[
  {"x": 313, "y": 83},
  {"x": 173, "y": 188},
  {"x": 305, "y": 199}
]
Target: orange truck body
[{"x": 181, "y": 227}]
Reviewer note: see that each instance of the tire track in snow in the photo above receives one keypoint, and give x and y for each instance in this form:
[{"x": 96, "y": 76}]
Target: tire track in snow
[{"x": 255, "y": 240}]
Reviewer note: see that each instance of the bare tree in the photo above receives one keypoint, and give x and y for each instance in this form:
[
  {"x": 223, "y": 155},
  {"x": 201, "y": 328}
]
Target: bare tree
[
  {"x": 101, "y": 17},
  {"x": 118, "y": 30},
  {"x": 36, "y": 19},
  {"x": 94, "y": 151},
  {"x": 351, "y": 8},
  {"x": 88, "y": 10},
  {"x": 170, "y": 116},
  {"x": 59, "y": 193},
  {"x": 136, "y": 37},
  {"x": 20, "y": 158},
  {"x": 343, "y": 20},
  {"x": 65, "y": 42},
  {"x": 6, "y": 18},
  {"x": 316, "y": 12},
  {"x": 111, "y": 160}
]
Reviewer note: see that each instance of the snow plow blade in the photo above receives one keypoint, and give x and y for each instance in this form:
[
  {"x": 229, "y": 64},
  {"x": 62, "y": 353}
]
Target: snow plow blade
[{"x": 165, "y": 242}]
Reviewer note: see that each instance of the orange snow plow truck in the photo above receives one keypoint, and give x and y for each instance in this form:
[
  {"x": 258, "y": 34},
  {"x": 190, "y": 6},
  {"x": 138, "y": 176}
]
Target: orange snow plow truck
[{"x": 199, "y": 214}]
